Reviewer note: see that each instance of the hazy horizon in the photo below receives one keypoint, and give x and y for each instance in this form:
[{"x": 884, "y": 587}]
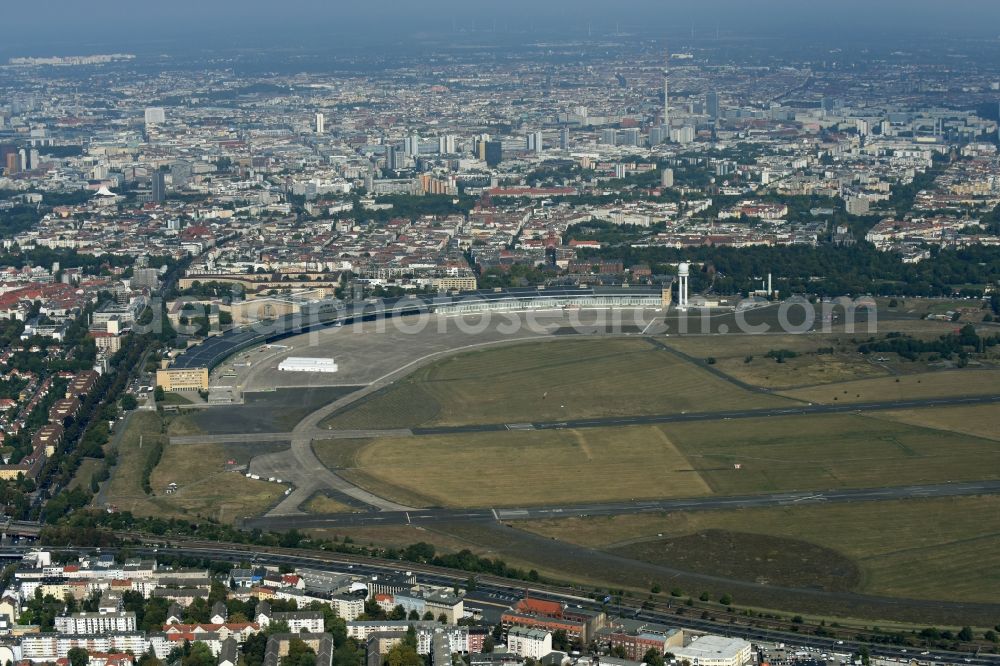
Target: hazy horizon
[{"x": 67, "y": 26}]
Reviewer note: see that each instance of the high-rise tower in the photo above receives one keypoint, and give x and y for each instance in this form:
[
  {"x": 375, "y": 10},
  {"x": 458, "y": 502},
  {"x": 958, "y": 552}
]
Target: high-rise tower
[
  {"x": 712, "y": 104},
  {"x": 666, "y": 89}
]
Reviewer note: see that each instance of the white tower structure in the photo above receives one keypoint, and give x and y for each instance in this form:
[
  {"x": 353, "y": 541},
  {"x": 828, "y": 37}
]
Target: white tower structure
[
  {"x": 320, "y": 123},
  {"x": 683, "y": 270},
  {"x": 666, "y": 90}
]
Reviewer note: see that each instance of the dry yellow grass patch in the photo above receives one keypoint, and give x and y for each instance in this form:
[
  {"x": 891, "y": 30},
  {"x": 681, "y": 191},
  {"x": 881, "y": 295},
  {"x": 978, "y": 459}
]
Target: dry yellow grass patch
[
  {"x": 945, "y": 383},
  {"x": 529, "y": 467}
]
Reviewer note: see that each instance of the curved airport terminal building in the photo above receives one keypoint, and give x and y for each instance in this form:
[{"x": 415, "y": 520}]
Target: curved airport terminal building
[{"x": 190, "y": 368}]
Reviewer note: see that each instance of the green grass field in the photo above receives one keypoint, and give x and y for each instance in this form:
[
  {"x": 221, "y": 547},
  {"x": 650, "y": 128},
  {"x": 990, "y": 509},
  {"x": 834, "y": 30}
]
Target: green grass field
[
  {"x": 738, "y": 346},
  {"x": 177, "y": 399},
  {"x": 744, "y": 358},
  {"x": 975, "y": 420},
  {"x": 518, "y": 468},
  {"x": 401, "y": 536},
  {"x": 183, "y": 425},
  {"x": 88, "y": 467},
  {"x": 829, "y": 451},
  {"x": 924, "y": 329},
  {"x": 124, "y": 488},
  {"x": 946, "y": 548},
  {"x": 775, "y": 454},
  {"x": 809, "y": 368},
  {"x": 945, "y": 383},
  {"x": 549, "y": 381},
  {"x": 762, "y": 558},
  {"x": 921, "y": 306},
  {"x": 205, "y": 488},
  {"x": 339, "y": 453},
  {"x": 323, "y": 504}
]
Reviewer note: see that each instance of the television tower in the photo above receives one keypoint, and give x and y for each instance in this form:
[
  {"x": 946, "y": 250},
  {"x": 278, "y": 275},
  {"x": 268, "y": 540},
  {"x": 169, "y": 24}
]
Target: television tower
[{"x": 666, "y": 89}]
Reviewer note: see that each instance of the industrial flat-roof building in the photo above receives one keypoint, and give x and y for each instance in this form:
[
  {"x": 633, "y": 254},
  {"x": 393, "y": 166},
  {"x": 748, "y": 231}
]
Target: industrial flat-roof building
[{"x": 715, "y": 651}]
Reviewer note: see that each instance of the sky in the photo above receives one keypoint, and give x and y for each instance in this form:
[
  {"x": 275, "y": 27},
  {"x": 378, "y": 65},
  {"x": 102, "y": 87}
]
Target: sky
[{"x": 63, "y": 26}]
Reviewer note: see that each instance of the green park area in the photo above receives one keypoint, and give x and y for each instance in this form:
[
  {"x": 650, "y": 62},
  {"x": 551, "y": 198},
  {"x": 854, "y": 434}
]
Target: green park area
[
  {"x": 943, "y": 548},
  {"x": 550, "y": 381}
]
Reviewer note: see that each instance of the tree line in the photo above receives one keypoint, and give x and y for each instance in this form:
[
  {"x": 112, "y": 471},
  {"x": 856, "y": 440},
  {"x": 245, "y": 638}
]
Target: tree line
[
  {"x": 963, "y": 342},
  {"x": 826, "y": 270}
]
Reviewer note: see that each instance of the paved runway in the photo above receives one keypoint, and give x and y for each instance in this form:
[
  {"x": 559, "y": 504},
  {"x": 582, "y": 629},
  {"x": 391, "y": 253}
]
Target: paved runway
[
  {"x": 253, "y": 438},
  {"x": 418, "y": 516},
  {"x": 805, "y": 409}
]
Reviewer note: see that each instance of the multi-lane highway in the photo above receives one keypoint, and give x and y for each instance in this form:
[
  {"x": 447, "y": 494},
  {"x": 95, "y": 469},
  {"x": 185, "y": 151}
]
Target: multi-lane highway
[{"x": 417, "y": 516}]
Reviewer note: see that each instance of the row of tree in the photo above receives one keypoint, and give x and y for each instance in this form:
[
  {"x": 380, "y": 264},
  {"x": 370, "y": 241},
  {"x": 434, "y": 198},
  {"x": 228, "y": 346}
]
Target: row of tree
[
  {"x": 90, "y": 528},
  {"x": 824, "y": 270},
  {"x": 87, "y": 433},
  {"x": 964, "y": 341}
]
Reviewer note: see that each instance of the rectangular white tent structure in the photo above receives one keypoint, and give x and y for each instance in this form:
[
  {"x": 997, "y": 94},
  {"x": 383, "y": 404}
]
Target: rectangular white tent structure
[{"x": 307, "y": 364}]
